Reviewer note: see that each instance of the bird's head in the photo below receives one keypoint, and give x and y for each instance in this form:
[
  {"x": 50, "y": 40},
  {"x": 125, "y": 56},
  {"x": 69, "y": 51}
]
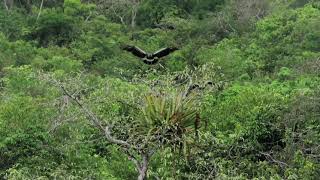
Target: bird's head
[
  {"x": 174, "y": 48},
  {"x": 126, "y": 47},
  {"x": 149, "y": 56}
]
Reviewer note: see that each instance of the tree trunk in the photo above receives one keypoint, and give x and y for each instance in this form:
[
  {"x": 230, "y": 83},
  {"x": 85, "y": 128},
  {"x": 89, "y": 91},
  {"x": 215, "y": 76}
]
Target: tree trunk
[
  {"x": 5, "y": 5},
  {"x": 8, "y": 4},
  {"x": 133, "y": 16},
  {"x": 143, "y": 167},
  {"x": 134, "y": 10},
  {"x": 41, "y": 5}
]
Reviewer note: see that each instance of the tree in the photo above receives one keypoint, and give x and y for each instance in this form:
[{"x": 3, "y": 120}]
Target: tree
[
  {"x": 155, "y": 116},
  {"x": 8, "y": 4},
  {"x": 125, "y": 11}
]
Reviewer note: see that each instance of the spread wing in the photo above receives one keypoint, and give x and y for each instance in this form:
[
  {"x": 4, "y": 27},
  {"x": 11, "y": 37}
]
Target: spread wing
[
  {"x": 164, "y": 52},
  {"x": 135, "y": 51}
]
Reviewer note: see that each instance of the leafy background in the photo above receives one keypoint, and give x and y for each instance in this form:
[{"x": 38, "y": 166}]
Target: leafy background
[{"x": 260, "y": 121}]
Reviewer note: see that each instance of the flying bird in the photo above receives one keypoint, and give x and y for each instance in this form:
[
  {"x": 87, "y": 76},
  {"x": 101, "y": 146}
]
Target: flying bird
[{"x": 148, "y": 58}]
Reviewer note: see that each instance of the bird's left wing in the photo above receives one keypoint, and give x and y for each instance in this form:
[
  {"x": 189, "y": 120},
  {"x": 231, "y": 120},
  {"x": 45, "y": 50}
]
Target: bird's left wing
[
  {"x": 164, "y": 52},
  {"x": 135, "y": 51}
]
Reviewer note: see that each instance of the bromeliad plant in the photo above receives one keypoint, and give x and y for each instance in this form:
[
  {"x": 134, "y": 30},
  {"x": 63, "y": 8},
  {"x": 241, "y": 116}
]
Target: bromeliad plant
[{"x": 167, "y": 120}]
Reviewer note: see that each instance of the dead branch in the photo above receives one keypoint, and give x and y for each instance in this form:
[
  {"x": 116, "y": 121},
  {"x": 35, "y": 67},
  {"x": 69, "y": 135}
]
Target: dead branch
[
  {"x": 41, "y": 5},
  {"x": 268, "y": 156},
  {"x": 5, "y": 5}
]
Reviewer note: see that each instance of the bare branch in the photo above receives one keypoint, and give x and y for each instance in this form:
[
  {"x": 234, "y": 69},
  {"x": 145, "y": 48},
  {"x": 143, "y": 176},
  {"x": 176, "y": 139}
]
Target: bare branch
[
  {"x": 5, "y": 5},
  {"x": 95, "y": 120},
  {"x": 282, "y": 164},
  {"x": 41, "y": 5},
  {"x": 107, "y": 133},
  {"x": 118, "y": 15}
]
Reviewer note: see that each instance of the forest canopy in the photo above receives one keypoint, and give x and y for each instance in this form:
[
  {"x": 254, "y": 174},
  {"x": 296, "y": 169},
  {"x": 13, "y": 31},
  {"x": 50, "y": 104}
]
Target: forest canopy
[{"x": 239, "y": 98}]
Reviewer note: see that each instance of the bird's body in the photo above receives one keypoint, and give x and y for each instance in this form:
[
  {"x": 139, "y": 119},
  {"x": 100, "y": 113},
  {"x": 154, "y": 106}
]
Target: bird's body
[{"x": 149, "y": 58}]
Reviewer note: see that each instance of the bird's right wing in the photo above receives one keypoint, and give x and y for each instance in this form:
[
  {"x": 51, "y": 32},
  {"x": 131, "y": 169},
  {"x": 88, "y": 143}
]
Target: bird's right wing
[{"x": 135, "y": 51}]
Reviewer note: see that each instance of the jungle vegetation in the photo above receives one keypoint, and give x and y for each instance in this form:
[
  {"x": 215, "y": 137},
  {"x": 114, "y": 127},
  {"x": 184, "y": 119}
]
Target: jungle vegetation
[{"x": 240, "y": 99}]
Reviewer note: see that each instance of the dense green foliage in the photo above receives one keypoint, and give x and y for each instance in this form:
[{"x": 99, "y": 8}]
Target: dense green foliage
[{"x": 259, "y": 119}]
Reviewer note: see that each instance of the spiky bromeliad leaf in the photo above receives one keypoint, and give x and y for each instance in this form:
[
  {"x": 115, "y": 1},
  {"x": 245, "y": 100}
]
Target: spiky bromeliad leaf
[{"x": 167, "y": 117}]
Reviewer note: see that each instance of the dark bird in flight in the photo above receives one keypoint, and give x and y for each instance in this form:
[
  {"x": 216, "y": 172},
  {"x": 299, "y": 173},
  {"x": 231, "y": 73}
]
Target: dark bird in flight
[{"x": 147, "y": 57}]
